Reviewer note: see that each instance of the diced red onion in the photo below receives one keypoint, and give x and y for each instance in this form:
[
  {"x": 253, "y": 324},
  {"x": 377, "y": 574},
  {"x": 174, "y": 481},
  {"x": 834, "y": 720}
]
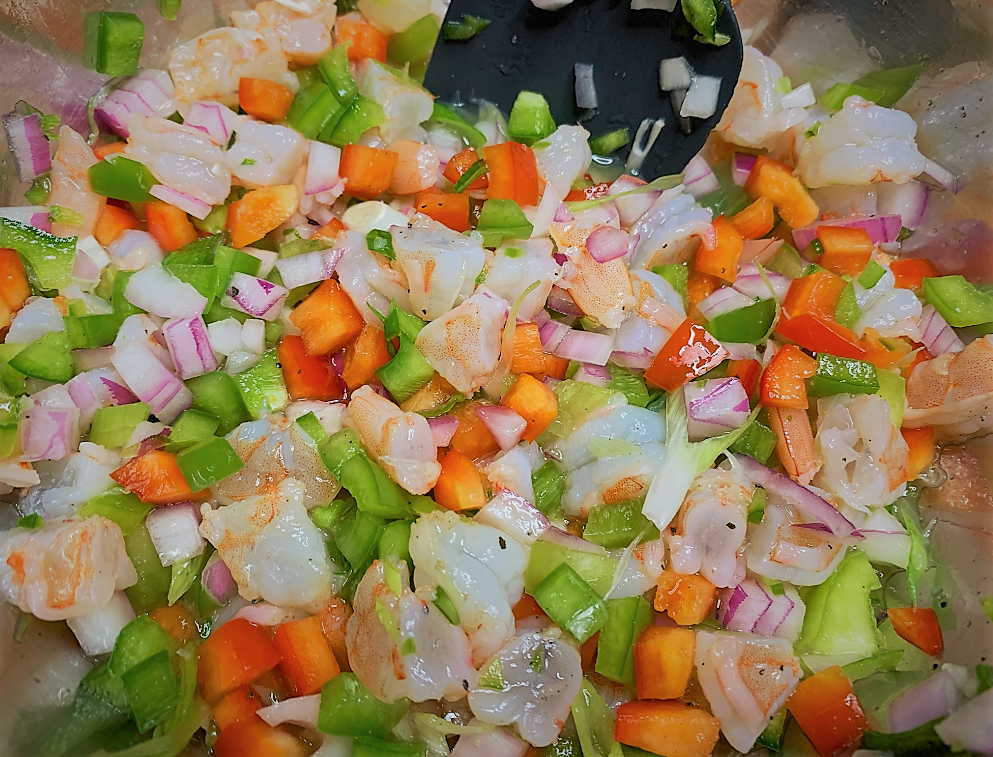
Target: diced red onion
[
  {"x": 265, "y": 614},
  {"x": 701, "y": 97},
  {"x": 941, "y": 176},
  {"x": 699, "y": 178},
  {"x": 119, "y": 393},
  {"x": 723, "y": 300},
  {"x": 189, "y": 346},
  {"x": 881, "y": 229},
  {"x": 443, "y": 428},
  {"x": 675, "y": 73},
  {"x": 593, "y": 374},
  {"x": 804, "y": 500},
  {"x": 715, "y": 407},
  {"x": 743, "y": 606},
  {"x": 551, "y": 333},
  {"x": 308, "y": 267},
  {"x": 514, "y": 515},
  {"x": 936, "y": 334},
  {"x": 771, "y": 622},
  {"x": 217, "y": 581},
  {"x": 561, "y": 301},
  {"x": 322, "y": 168},
  {"x": 149, "y": 93},
  {"x": 751, "y": 284},
  {"x": 638, "y": 360},
  {"x": 97, "y": 631},
  {"x": 491, "y": 743},
  {"x": 742, "y": 351},
  {"x": 631, "y": 207},
  {"x": 585, "y": 346},
  {"x": 562, "y": 214},
  {"x": 555, "y": 535},
  {"x": 505, "y": 424},
  {"x": 909, "y": 201},
  {"x": 186, "y": 203},
  {"x": 741, "y": 166},
  {"x": 970, "y": 727},
  {"x": 49, "y": 427},
  {"x": 934, "y": 698},
  {"x": 175, "y": 532},
  {"x": 156, "y": 290},
  {"x": 301, "y": 711},
  {"x": 606, "y": 243},
  {"x": 32, "y": 215},
  {"x": 28, "y": 145},
  {"x": 151, "y": 381},
  {"x": 257, "y": 297},
  {"x": 92, "y": 390},
  {"x": 213, "y": 119}
]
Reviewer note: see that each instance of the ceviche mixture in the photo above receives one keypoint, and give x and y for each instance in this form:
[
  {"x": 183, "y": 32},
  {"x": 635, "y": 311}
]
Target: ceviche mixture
[{"x": 344, "y": 421}]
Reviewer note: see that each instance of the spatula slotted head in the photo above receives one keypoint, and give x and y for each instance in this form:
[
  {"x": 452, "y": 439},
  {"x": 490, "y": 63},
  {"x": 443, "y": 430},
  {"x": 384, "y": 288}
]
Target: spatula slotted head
[{"x": 525, "y": 48}]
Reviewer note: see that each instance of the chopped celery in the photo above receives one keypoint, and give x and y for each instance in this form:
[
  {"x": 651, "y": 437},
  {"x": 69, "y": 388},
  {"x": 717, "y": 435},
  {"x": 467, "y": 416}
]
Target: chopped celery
[
  {"x": 758, "y": 441},
  {"x": 626, "y": 619},
  {"x": 348, "y": 708},
  {"x": 217, "y": 394},
  {"x": 595, "y": 569},
  {"x": 191, "y": 427},
  {"x": 787, "y": 261},
  {"x": 611, "y": 142},
  {"x": 59, "y": 214},
  {"x": 749, "y": 324},
  {"x": 445, "y": 116},
  {"x": 118, "y": 505},
  {"x": 530, "y": 118},
  {"x": 548, "y": 481},
  {"x": 893, "y": 389},
  {"x": 894, "y": 83},
  {"x": 836, "y": 95},
  {"x": 678, "y": 275},
  {"x": 571, "y": 602},
  {"x": 594, "y": 724},
  {"x": 46, "y": 358},
  {"x": 615, "y": 526},
  {"x": 919, "y": 560},
  {"x": 311, "y": 426},
  {"x": 262, "y": 388},
  {"x": 871, "y": 275},
  {"x": 406, "y": 372},
  {"x": 394, "y": 544},
  {"x": 839, "y": 375},
  {"x": 847, "y": 311},
  {"x": 208, "y": 462},
  {"x": 884, "y": 661},
  {"x": 152, "y": 588},
  {"x": 121, "y": 178},
  {"x": 756, "y": 508},
  {"x": 465, "y": 28},
  {"x": 113, "y": 426},
  {"x": 628, "y": 383},
  {"x": 335, "y": 72},
  {"x": 139, "y": 640},
  {"x": 152, "y": 690},
  {"x": 504, "y": 219},
  {"x": 366, "y": 747},
  {"x": 401, "y": 324},
  {"x": 374, "y": 491},
  {"x": 49, "y": 257},
  {"x": 772, "y": 736},
  {"x": 301, "y": 246},
  {"x": 39, "y": 191},
  {"x": 958, "y": 301},
  {"x": 447, "y": 608},
  {"x": 112, "y": 42}
]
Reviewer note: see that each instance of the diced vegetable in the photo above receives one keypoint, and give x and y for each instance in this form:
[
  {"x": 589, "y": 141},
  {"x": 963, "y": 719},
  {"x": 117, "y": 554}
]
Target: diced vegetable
[
  {"x": 306, "y": 376},
  {"x": 206, "y": 463},
  {"x": 626, "y": 620},
  {"x": 308, "y": 662},
  {"x": 349, "y": 709},
  {"x": 513, "y": 173},
  {"x": 571, "y": 602},
  {"x": 217, "y": 394},
  {"x": 47, "y": 358},
  {"x": 465, "y": 28},
  {"x": 749, "y": 325},
  {"x": 594, "y": 567},
  {"x": 783, "y": 381},
  {"x": 663, "y": 662},
  {"x": 921, "y": 442},
  {"x": 327, "y": 319},
  {"x": 534, "y": 402},
  {"x": 817, "y": 334},
  {"x": 687, "y": 599},
  {"x": 817, "y": 293},
  {"x": 689, "y": 353},
  {"x": 254, "y": 738},
  {"x": 722, "y": 259},
  {"x": 846, "y": 250},
  {"x": 674, "y": 729},
  {"x": 828, "y": 711},
  {"x": 170, "y": 226},
  {"x": 49, "y": 258},
  {"x": 615, "y": 526},
  {"x": 112, "y": 42},
  {"x": 958, "y": 301},
  {"x": 838, "y": 375},
  {"x": 235, "y": 654},
  {"x": 757, "y": 442},
  {"x": 236, "y": 706},
  {"x": 258, "y": 212},
  {"x": 152, "y": 690},
  {"x": 459, "y": 487},
  {"x": 774, "y": 180},
  {"x": 121, "y": 179},
  {"x": 918, "y": 626},
  {"x": 756, "y": 220},
  {"x": 909, "y": 273},
  {"x": 112, "y": 426},
  {"x": 263, "y": 99},
  {"x": 156, "y": 478},
  {"x": 530, "y": 119},
  {"x": 363, "y": 39}
]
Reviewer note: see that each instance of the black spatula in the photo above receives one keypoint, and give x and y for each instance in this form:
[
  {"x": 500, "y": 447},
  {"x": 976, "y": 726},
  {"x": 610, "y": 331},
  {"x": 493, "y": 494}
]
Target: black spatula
[{"x": 525, "y": 48}]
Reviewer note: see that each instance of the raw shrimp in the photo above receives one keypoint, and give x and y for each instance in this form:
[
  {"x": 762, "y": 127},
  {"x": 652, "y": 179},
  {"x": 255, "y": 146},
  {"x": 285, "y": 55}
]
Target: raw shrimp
[
  {"x": 746, "y": 679},
  {"x": 211, "y": 66},
  {"x": 181, "y": 157},
  {"x": 441, "y": 266},
  {"x": 273, "y": 550},
  {"x": 264, "y": 154},
  {"x": 638, "y": 569},
  {"x": 866, "y": 460},
  {"x": 479, "y": 568},
  {"x": 890, "y": 311},
  {"x": 68, "y": 568},
  {"x": 707, "y": 535},
  {"x": 613, "y": 479},
  {"x": 780, "y": 548},
  {"x": 634, "y": 425},
  {"x": 405, "y": 104},
  {"x": 302, "y": 36},
  {"x": 71, "y": 185},
  {"x": 513, "y": 268},
  {"x": 368, "y": 279},
  {"x": 512, "y": 469},
  {"x": 134, "y": 249},
  {"x": 861, "y": 144},
  {"x": 641, "y": 337},
  {"x": 464, "y": 344},
  {"x": 273, "y": 449},
  {"x": 421, "y": 656},
  {"x": 563, "y": 157},
  {"x": 953, "y": 393},
  {"x": 401, "y": 442},
  {"x": 40, "y": 316},
  {"x": 67, "y": 484},
  {"x": 540, "y": 676},
  {"x": 668, "y": 232}
]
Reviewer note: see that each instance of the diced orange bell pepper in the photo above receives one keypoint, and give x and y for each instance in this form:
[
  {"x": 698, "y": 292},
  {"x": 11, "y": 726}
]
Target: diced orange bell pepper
[
  {"x": 884, "y": 353},
  {"x": 308, "y": 377},
  {"x": 534, "y": 402},
  {"x": 828, "y": 711},
  {"x": 774, "y": 180},
  {"x": 663, "y": 662},
  {"x": 451, "y": 210},
  {"x": 587, "y": 652},
  {"x": 14, "y": 287},
  {"x": 818, "y": 334},
  {"x": 846, "y": 250},
  {"x": 236, "y": 707},
  {"x": 170, "y": 226},
  {"x": 529, "y": 355},
  {"x": 527, "y": 607},
  {"x": 459, "y": 487},
  {"x": 308, "y": 662},
  {"x": 176, "y": 621},
  {"x": 674, "y": 729},
  {"x": 690, "y": 352},
  {"x": 260, "y": 211},
  {"x": 783, "y": 380},
  {"x": 687, "y": 599},
  {"x": 817, "y": 293},
  {"x": 112, "y": 222},
  {"x": 367, "y": 172},
  {"x": 747, "y": 372},
  {"x": 513, "y": 173},
  {"x": 263, "y": 99},
  {"x": 472, "y": 438},
  {"x": 334, "y": 619},
  {"x": 328, "y": 319},
  {"x": 918, "y": 626},
  {"x": 111, "y": 148},
  {"x": 556, "y": 367},
  {"x": 330, "y": 230},
  {"x": 922, "y": 356},
  {"x": 722, "y": 259},
  {"x": 794, "y": 442},
  {"x": 756, "y": 220},
  {"x": 911, "y": 272},
  {"x": 156, "y": 479},
  {"x": 363, "y": 357},
  {"x": 235, "y": 654},
  {"x": 699, "y": 286},
  {"x": 366, "y": 40},
  {"x": 254, "y": 738},
  {"x": 922, "y": 449},
  {"x": 460, "y": 163}
]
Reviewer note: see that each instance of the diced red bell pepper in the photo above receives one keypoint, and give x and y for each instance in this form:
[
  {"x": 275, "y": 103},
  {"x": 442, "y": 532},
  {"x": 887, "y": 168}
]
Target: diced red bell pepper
[
  {"x": 784, "y": 379},
  {"x": 918, "y": 626},
  {"x": 846, "y": 250},
  {"x": 233, "y": 655},
  {"x": 828, "y": 711},
  {"x": 254, "y": 738},
  {"x": 817, "y": 334},
  {"x": 690, "y": 352},
  {"x": 513, "y": 173},
  {"x": 308, "y": 377},
  {"x": 911, "y": 272},
  {"x": 308, "y": 662},
  {"x": 748, "y": 373}
]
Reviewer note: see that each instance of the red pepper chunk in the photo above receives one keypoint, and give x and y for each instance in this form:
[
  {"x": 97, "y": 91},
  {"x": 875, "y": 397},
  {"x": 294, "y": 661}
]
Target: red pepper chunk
[
  {"x": 828, "y": 711},
  {"x": 690, "y": 352},
  {"x": 918, "y": 626},
  {"x": 911, "y": 272},
  {"x": 783, "y": 381},
  {"x": 513, "y": 173},
  {"x": 254, "y": 738},
  {"x": 748, "y": 373},
  {"x": 308, "y": 662},
  {"x": 814, "y": 333},
  {"x": 235, "y": 654},
  {"x": 308, "y": 377}
]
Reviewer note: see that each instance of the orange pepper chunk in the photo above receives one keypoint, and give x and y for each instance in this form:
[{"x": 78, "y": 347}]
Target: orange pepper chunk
[
  {"x": 816, "y": 293},
  {"x": 366, "y": 40},
  {"x": 756, "y": 220},
  {"x": 674, "y": 729},
  {"x": 308, "y": 662},
  {"x": 170, "y": 226},
  {"x": 846, "y": 250},
  {"x": 918, "y": 626},
  {"x": 459, "y": 487},
  {"x": 451, "y": 210},
  {"x": 774, "y": 180},
  {"x": 258, "y": 212},
  {"x": 327, "y": 319},
  {"x": 784, "y": 379},
  {"x": 233, "y": 655},
  {"x": 922, "y": 449},
  {"x": 534, "y": 402},
  {"x": 235, "y": 707},
  {"x": 367, "y": 172},
  {"x": 265, "y": 100},
  {"x": 687, "y": 599},
  {"x": 513, "y": 173},
  {"x": 911, "y": 272},
  {"x": 308, "y": 377},
  {"x": 722, "y": 259},
  {"x": 828, "y": 711},
  {"x": 663, "y": 662},
  {"x": 156, "y": 479},
  {"x": 363, "y": 357},
  {"x": 462, "y": 162},
  {"x": 690, "y": 352}
]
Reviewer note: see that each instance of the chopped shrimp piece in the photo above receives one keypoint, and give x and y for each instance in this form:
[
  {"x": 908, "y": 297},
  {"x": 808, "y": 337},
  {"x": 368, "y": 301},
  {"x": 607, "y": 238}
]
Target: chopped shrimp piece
[
  {"x": 708, "y": 533},
  {"x": 640, "y": 337},
  {"x": 71, "y": 184},
  {"x": 479, "y": 568},
  {"x": 746, "y": 680},
  {"x": 66, "y": 569},
  {"x": 67, "y": 484},
  {"x": 210, "y": 66},
  {"x": 405, "y": 105},
  {"x": 421, "y": 657},
  {"x": 541, "y": 676},
  {"x": 513, "y": 268},
  {"x": 302, "y": 36},
  {"x": 273, "y": 550},
  {"x": 668, "y": 232},
  {"x": 265, "y": 155},
  {"x": 401, "y": 442},
  {"x": 781, "y": 548},
  {"x": 953, "y": 393},
  {"x": 463, "y": 345},
  {"x": 640, "y": 571},
  {"x": 368, "y": 278}
]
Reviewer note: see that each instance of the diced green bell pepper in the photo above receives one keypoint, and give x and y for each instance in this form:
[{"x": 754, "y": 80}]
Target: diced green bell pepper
[
  {"x": 611, "y": 142},
  {"x": 46, "y": 358},
  {"x": 190, "y": 428},
  {"x": 401, "y": 324},
  {"x": 169, "y": 9},
  {"x": 758, "y": 441},
  {"x": 894, "y": 83},
  {"x": 530, "y": 118},
  {"x": 357, "y": 535},
  {"x": 406, "y": 372},
  {"x": 152, "y": 690},
  {"x": 366, "y": 747},
  {"x": 307, "y": 96},
  {"x": 311, "y": 426},
  {"x": 214, "y": 222},
  {"x": 152, "y": 588},
  {"x": 262, "y": 387},
  {"x": 9, "y": 421},
  {"x": 208, "y": 462},
  {"x": 113, "y": 426},
  {"x": 59, "y": 214},
  {"x": 836, "y": 95},
  {"x": 336, "y": 73},
  {"x": 374, "y": 491},
  {"x": 380, "y": 241},
  {"x": 772, "y": 736},
  {"x": 11, "y": 381},
  {"x": 871, "y": 275},
  {"x": 617, "y": 525},
  {"x": 452, "y": 121},
  {"x": 394, "y": 544},
  {"x": 597, "y": 570},
  {"x": 118, "y": 505},
  {"x": 49, "y": 257},
  {"x": 139, "y": 640},
  {"x": 749, "y": 325},
  {"x": 39, "y": 191},
  {"x": 348, "y": 708},
  {"x": 217, "y": 394},
  {"x": 320, "y": 114},
  {"x": 122, "y": 179},
  {"x": 571, "y": 602},
  {"x": 626, "y": 619},
  {"x": 112, "y": 42},
  {"x": 413, "y": 46},
  {"x": 363, "y": 114},
  {"x": 203, "y": 278},
  {"x": 122, "y": 306},
  {"x": 893, "y": 389},
  {"x": 464, "y": 28},
  {"x": 88, "y": 331},
  {"x": 198, "y": 252},
  {"x": 884, "y": 661},
  {"x": 502, "y": 219},
  {"x": 840, "y": 375},
  {"x": 847, "y": 312},
  {"x": 958, "y": 301},
  {"x": 230, "y": 261},
  {"x": 549, "y": 485}
]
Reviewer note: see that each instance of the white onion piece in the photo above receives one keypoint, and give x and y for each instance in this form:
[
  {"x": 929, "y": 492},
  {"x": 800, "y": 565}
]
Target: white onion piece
[
  {"x": 586, "y": 347},
  {"x": 28, "y": 145},
  {"x": 189, "y": 346},
  {"x": 505, "y": 424},
  {"x": 909, "y": 201},
  {"x": 302, "y": 711},
  {"x": 257, "y": 297},
  {"x": 644, "y": 139},
  {"x": 514, "y": 515},
  {"x": 443, "y": 428},
  {"x": 151, "y": 381},
  {"x": 498, "y": 742},
  {"x": 723, "y": 300},
  {"x": 801, "y": 97},
  {"x": 699, "y": 178},
  {"x": 933, "y": 698},
  {"x": 701, "y": 97},
  {"x": 97, "y": 631},
  {"x": 186, "y": 203},
  {"x": 970, "y": 727},
  {"x": 936, "y": 334},
  {"x": 323, "y": 163},
  {"x": 213, "y": 119},
  {"x": 156, "y": 290},
  {"x": 585, "y": 86},
  {"x": 715, "y": 407},
  {"x": 751, "y": 284},
  {"x": 175, "y": 532},
  {"x": 675, "y": 73},
  {"x": 606, "y": 243},
  {"x": 309, "y": 267},
  {"x": 941, "y": 177},
  {"x": 631, "y": 207}
]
